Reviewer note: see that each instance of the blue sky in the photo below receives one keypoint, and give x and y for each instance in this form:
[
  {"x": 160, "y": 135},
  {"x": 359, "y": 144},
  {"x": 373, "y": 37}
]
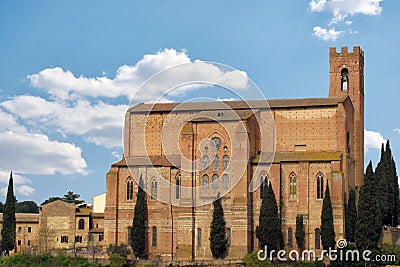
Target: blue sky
[{"x": 69, "y": 68}]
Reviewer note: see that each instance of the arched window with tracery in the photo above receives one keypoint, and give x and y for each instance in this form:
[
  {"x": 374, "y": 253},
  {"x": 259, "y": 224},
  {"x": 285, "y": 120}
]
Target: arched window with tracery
[
  {"x": 225, "y": 181},
  {"x": 263, "y": 184},
  {"x": 153, "y": 188},
  {"x": 205, "y": 161},
  {"x": 320, "y": 186},
  {"x": 129, "y": 189},
  {"x": 225, "y": 162},
  {"x": 292, "y": 186},
  {"x": 215, "y": 163},
  {"x": 204, "y": 182},
  {"x": 214, "y": 184},
  {"x": 178, "y": 186}
]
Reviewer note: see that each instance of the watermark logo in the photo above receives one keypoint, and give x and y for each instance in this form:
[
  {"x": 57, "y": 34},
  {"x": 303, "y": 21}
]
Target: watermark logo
[
  {"x": 342, "y": 253},
  {"x": 188, "y": 128}
]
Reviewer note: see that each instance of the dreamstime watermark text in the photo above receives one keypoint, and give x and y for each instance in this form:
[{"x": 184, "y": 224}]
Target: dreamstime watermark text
[{"x": 339, "y": 254}]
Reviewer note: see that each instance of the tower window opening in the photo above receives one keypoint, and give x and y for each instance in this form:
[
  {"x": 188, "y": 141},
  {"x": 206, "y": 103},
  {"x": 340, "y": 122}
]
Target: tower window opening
[{"x": 345, "y": 79}]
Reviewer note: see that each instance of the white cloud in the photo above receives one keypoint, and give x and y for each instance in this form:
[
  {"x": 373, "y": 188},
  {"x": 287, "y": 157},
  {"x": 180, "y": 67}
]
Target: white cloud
[
  {"x": 341, "y": 9},
  {"x": 325, "y": 34},
  {"x": 100, "y": 123},
  {"x": 25, "y": 190},
  {"x": 348, "y": 22},
  {"x": 18, "y": 179},
  {"x": 373, "y": 140},
  {"x": 317, "y": 5},
  {"x": 63, "y": 84},
  {"x": 33, "y": 153},
  {"x": 396, "y": 131},
  {"x": 36, "y": 154},
  {"x": 116, "y": 154},
  {"x": 3, "y": 191}
]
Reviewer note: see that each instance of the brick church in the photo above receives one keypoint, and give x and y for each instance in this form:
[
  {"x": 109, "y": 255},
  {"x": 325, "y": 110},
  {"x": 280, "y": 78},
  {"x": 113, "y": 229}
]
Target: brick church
[{"x": 317, "y": 141}]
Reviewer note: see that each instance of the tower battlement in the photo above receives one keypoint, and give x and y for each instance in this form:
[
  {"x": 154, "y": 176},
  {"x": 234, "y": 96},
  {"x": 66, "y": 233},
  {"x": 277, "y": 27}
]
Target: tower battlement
[{"x": 344, "y": 50}]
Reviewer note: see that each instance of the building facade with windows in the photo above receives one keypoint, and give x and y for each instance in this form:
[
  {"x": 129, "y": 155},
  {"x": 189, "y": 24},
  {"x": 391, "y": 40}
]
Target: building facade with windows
[{"x": 318, "y": 141}]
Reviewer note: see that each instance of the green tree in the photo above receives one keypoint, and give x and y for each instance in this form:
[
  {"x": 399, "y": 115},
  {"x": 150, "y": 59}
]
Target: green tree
[
  {"x": 8, "y": 231},
  {"x": 268, "y": 230},
  {"x": 117, "y": 260},
  {"x": 26, "y": 207},
  {"x": 51, "y": 199},
  {"x": 351, "y": 216},
  {"x": 327, "y": 228},
  {"x": 121, "y": 249},
  {"x": 218, "y": 240},
  {"x": 300, "y": 234},
  {"x": 139, "y": 224},
  {"x": 369, "y": 226},
  {"x": 71, "y": 197},
  {"x": 387, "y": 187}
]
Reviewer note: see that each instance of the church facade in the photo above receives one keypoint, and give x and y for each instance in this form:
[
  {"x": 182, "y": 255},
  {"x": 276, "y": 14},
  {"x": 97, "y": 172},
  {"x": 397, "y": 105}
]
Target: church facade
[{"x": 217, "y": 149}]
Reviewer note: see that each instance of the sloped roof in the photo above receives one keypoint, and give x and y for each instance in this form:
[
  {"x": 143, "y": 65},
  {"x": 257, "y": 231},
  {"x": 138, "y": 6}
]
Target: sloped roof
[{"x": 220, "y": 105}]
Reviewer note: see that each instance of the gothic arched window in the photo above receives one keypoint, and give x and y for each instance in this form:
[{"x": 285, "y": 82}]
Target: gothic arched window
[
  {"x": 129, "y": 189},
  {"x": 225, "y": 162},
  {"x": 344, "y": 79},
  {"x": 263, "y": 184},
  {"x": 290, "y": 237},
  {"x": 204, "y": 181},
  {"x": 215, "y": 163},
  {"x": 154, "y": 236},
  {"x": 214, "y": 184},
  {"x": 178, "y": 186},
  {"x": 154, "y": 188},
  {"x": 205, "y": 162},
  {"x": 225, "y": 181},
  {"x": 317, "y": 238},
  {"x": 320, "y": 186},
  {"x": 292, "y": 186}
]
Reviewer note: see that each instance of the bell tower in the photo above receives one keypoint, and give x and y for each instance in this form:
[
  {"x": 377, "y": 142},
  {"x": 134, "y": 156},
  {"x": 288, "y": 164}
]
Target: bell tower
[{"x": 347, "y": 79}]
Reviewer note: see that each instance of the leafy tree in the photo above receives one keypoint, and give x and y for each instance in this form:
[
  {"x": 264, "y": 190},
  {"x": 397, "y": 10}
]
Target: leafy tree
[
  {"x": 70, "y": 197},
  {"x": 268, "y": 230},
  {"x": 327, "y": 228},
  {"x": 218, "y": 240},
  {"x": 51, "y": 199},
  {"x": 26, "y": 207},
  {"x": 138, "y": 232},
  {"x": 121, "y": 249},
  {"x": 8, "y": 231},
  {"x": 117, "y": 260},
  {"x": 300, "y": 234},
  {"x": 369, "y": 226},
  {"x": 251, "y": 260},
  {"x": 351, "y": 216},
  {"x": 1, "y": 207}
]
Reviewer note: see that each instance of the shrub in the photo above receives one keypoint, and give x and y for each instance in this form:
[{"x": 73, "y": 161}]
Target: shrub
[{"x": 117, "y": 260}]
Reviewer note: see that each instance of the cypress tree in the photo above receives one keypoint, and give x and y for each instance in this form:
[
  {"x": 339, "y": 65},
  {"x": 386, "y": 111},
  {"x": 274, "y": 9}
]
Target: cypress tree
[
  {"x": 369, "y": 226},
  {"x": 382, "y": 187},
  {"x": 8, "y": 231},
  {"x": 327, "y": 228},
  {"x": 138, "y": 231},
  {"x": 218, "y": 240},
  {"x": 351, "y": 216},
  {"x": 393, "y": 182},
  {"x": 268, "y": 230},
  {"x": 300, "y": 234}
]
